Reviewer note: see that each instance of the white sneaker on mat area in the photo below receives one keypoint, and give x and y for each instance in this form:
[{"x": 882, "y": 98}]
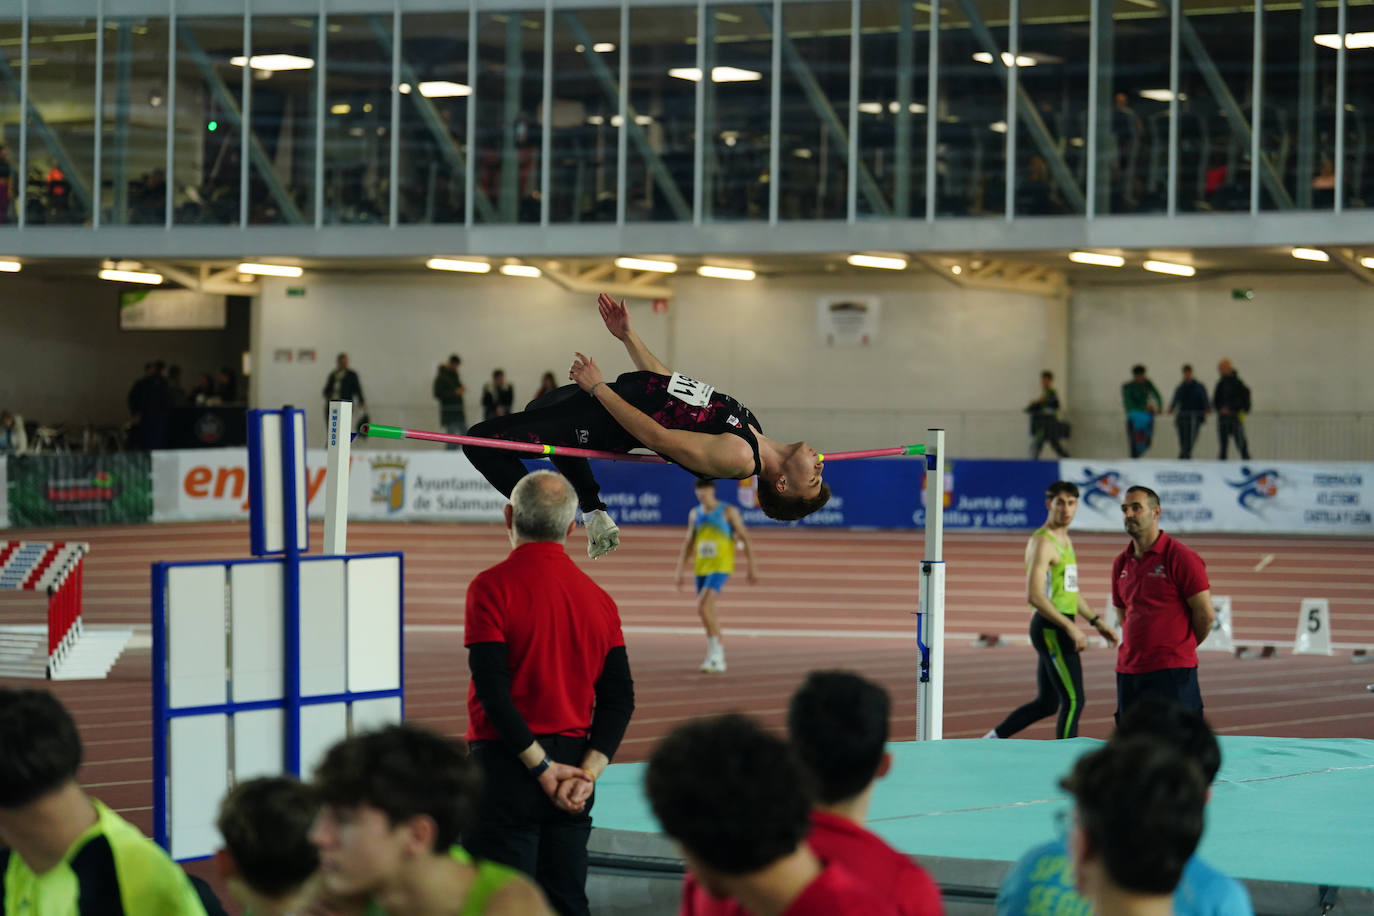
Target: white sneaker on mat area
[
  {"x": 602, "y": 534},
  {"x": 714, "y": 663}
]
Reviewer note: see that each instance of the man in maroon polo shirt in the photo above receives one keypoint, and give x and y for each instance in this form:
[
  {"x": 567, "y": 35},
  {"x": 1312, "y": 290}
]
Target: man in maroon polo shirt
[
  {"x": 1162, "y": 598},
  {"x": 550, "y": 698}
]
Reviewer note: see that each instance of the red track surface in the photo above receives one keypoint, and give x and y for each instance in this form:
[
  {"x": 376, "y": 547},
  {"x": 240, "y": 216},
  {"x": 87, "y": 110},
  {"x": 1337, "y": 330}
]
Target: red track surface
[{"x": 854, "y": 591}]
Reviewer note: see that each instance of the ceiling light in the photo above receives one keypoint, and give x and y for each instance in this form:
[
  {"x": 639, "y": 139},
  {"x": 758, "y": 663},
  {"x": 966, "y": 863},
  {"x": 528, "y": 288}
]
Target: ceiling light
[
  {"x": 871, "y": 107},
  {"x": 1364, "y": 262},
  {"x": 1167, "y": 267},
  {"x": 956, "y": 270},
  {"x": 404, "y": 88},
  {"x": 983, "y": 57},
  {"x": 443, "y": 89},
  {"x": 603, "y": 47},
  {"x": 520, "y": 270},
  {"x": 725, "y": 273},
  {"x": 1101, "y": 260},
  {"x": 467, "y": 267},
  {"x": 998, "y": 127},
  {"x": 869, "y": 260},
  {"x": 661, "y": 267},
  {"x": 597, "y": 120},
  {"x": 1352, "y": 40},
  {"x": 1162, "y": 95},
  {"x": 13, "y": 267},
  {"x": 1310, "y": 254},
  {"x": 130, "y": 276},
  {"x": 802, "y": 153},
  {"x": 274, "y": 62},
  {"x": 341, "y": 108},
  {"x": 270, "y": 270},
  {"x": 914, "y": 108},
  {"x": 718, "y": 74}
]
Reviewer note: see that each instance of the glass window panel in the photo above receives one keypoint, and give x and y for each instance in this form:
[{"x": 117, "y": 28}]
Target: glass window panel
[
  {"x": 1139, "y": 153},
  {"x": 1215, "y": 80},
  {"x": 894, "y": 72},
  {"x": 1299, "y": 119},
  {"x": 1053, "y": 72},
  {"x": 357, "y": 132},
  {"x": 586, "y": 59},
  {"x": 11, "y": 35},
  {"x": 433, "y": 147},
  {"x": 510, "y": 95},
  {"x": 660, "y": 175},
  {"x": 281, "y": 186},
  {"x": 207, "y": 160},
  {"x": 813, "y": 168},
  {"x": 133, "y": 168},
  {"x": 61, "y": 120},
  {"x": 971, "y": 135},
  {"x": 739, "y": 51},
  {"x": 1358, "y": 179}
]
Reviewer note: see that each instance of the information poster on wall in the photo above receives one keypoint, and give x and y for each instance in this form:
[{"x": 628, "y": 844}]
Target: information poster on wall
[{"x": 848, "y": 321}]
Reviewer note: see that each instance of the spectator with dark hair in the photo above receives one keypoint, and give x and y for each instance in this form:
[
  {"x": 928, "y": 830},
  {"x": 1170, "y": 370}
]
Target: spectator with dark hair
[
  {"x": 62, "y": 851},
  {"x": 1045, "y": 424},
  {"x": 448, "y": 389},
  {"x": 343, "y": 384},
  {"x": 547, "y": 385},
  {"x": 268, "y": 859},
  {"x": 14, "y": 440},
  {"x": 395, "y": 803},
  {"x": 1044, "y": 873},
  {"x": 498, "y": 396},
  {"x": 176, "y": 391},
  {"x": 1190, "y": 408},
  {"x": 734, "y": 798},
  {"x": 1137, "y": 821},
  {"x": 1164, "y": 602},
  {"x": 204, "y": 392},
  {"x": 1141, "y": 401},
  {"x": 550, "y": 698},
  {"x": 1232, "y": 402},
  {"x": 226, "y": 386}
]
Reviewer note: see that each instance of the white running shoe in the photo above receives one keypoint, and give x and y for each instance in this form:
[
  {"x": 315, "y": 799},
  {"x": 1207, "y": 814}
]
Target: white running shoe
[
  {"x": 714, "y": 663},
  {"x": 602, "y": 534}
]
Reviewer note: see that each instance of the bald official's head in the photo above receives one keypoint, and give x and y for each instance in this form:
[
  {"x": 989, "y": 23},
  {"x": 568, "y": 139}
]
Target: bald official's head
[{"x": 542, "y": 507}]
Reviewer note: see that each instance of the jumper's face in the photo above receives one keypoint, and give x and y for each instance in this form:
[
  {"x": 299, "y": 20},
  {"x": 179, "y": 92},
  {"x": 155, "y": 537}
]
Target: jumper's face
[
  {"x": 801, "y": 471},
  {"x": 1062, "y": 507}
]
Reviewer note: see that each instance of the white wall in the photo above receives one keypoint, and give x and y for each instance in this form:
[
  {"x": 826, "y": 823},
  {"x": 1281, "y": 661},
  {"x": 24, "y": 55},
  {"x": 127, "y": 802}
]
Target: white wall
[{"x": 940, "y": 350}]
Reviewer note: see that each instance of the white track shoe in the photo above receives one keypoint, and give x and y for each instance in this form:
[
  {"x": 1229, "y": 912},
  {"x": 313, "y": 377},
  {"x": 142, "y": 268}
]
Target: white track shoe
[
  {"x": 714, "y": 663},
  {"x": 602, "y": 534}
]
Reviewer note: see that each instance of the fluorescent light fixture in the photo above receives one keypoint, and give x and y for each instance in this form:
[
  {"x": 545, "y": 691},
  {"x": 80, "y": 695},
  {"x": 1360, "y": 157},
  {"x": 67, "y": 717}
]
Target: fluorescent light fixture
[
  {"x": 274, "y": 62},
  {"x": 604, "y": 47},
  {"x": 597, "y": 120},
  {"x": 871, "y": 107},
  {"x": 1364, "y": 262},
  {"x": 983, "y": 57},
  {"x": 660, "y": 267},
  {"x": 10, "y": 267},
  {"x": 877, "y": 108},
  {"x": 131, "y": 276},
  {"x": 1167, "y": 267},
  {"x": 725, "y": 273},
  {"x": 718, "y": 74},
  {"x": 521, "y": 270},
  {"x": 1352, "y": 40},
  {"x": 1092, "y": 257},
  {"x": 466, "y": 267},
  {"x": 443, "y": 89},
  {"x": 340, "y": 108},
  {"x": 871, "y": 260},
  {"x": 1310, "y": 254},
  {"x": 270, "y": 270},
  {"x": 802, "y": 153},
  {"x": 1162, "y": 95},
  {"x": 998, "y": 127}
]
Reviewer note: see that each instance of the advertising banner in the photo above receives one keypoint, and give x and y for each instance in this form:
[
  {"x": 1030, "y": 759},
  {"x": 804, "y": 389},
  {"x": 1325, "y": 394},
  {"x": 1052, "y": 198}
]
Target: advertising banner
[
  {"x": 4, "y": 493},
  {"x": 1273, "y": 497},
  {"x": 421, "y": 486},
  {"x": 212, "y": 483},
  {"x": 79, "y": 489}
]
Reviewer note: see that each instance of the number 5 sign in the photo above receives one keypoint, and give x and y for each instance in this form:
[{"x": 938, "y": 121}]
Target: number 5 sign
[{"x": 1314, "y": 628}]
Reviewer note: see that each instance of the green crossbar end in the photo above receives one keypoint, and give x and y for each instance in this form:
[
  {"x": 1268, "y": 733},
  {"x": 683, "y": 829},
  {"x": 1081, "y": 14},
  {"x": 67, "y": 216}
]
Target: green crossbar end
[
  {"x": 377, "y": 431},
  {"x": 914, "y": 450}
]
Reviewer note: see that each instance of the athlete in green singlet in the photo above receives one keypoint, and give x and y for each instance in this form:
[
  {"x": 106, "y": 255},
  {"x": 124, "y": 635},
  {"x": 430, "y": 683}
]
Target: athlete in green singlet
[{"x": 1052, "y": 589}]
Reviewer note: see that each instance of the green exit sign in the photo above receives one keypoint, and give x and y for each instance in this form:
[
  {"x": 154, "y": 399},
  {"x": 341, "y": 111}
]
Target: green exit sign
[{"x": 295, "y": 291}]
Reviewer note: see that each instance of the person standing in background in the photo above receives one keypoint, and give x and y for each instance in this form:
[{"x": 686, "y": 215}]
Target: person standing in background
[
  {"x": 1141, "y": 400},
  {"x": 449, "y": 390},
  {"x": 1045, "y": 425},
  {"x": 712, "y": 527},
  {"x": 343, "y": 385},
  {"x": 1190, "y": 408},
  {"x": 1232, "y": 402},
  {"x": 497, "y": 396},
  {"x": 547, "y": 385}
]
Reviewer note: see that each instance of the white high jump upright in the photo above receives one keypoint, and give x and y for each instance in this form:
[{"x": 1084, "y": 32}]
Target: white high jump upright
[
  {"x": 930, "y": 626},
  {"x": 336, "y": 468}
]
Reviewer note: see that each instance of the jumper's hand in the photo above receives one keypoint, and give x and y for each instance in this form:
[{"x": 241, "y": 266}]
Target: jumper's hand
[
  {"x": 615, "y": 315},
  {"x": 585, "y": 372},
  {"x": 1107, "y": 632}
]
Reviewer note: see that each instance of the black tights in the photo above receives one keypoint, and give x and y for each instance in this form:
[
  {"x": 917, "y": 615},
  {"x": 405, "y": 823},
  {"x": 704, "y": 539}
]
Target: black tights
[
  {"x": 1058, "y": 681},
  {"x": 564, "y": 416}
]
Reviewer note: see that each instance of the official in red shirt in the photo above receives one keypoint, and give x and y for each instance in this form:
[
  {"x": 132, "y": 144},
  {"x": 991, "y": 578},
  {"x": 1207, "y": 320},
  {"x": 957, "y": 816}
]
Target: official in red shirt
[
  {"x": 1162, "y": 598},
  {"x": 734, "y": 798},
  {"x": 550, "y": 698}
]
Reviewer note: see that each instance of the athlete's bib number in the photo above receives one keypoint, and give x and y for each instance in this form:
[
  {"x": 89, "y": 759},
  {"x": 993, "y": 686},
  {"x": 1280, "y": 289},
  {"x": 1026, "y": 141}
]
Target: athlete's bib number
[
  {"x": 1071, "y": 577},
  {"x": 689, "y": 390},
  {"x": 706, "y": 550}
]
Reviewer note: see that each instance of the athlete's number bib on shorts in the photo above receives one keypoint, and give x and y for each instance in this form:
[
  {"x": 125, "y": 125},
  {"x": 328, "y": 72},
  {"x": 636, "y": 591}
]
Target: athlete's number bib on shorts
[
  {"x": 1071, "y": 577},
  {"x": 689, "y": 390},
  {"x": 706, "y": 550}
]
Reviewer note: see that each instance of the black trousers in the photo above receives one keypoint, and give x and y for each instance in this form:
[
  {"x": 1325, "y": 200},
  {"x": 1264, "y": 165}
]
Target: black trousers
[
  {"x": 1058, "y": 683},
  {"x": 1187, "y": 423},
  {"x": 1229, "y": 427},
  {"x": 518, "y": 826},
  {"x": 1177, "y": 684},
  {"x": 564, "y": 416}
]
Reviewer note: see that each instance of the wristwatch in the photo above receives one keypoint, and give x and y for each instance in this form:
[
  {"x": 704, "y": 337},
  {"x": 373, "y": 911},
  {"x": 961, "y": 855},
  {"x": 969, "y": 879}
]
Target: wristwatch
[{"x": 538, "y": 769}]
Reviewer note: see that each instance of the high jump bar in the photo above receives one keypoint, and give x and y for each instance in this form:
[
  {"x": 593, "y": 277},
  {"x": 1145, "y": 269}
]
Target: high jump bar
[{"x": 377, "y": 431}]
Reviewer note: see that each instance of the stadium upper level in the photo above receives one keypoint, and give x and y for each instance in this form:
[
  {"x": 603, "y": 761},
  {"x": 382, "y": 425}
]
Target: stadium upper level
[{"x": 334, "y": 128}]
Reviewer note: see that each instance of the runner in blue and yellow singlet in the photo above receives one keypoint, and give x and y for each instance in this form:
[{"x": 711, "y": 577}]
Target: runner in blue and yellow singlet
[
  {"x": 712, "y": 528},
  {"x": 1052, "y": 589}
]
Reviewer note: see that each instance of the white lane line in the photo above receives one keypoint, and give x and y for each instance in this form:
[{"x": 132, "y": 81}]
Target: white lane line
[{"x": 1264, "y": 561}]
